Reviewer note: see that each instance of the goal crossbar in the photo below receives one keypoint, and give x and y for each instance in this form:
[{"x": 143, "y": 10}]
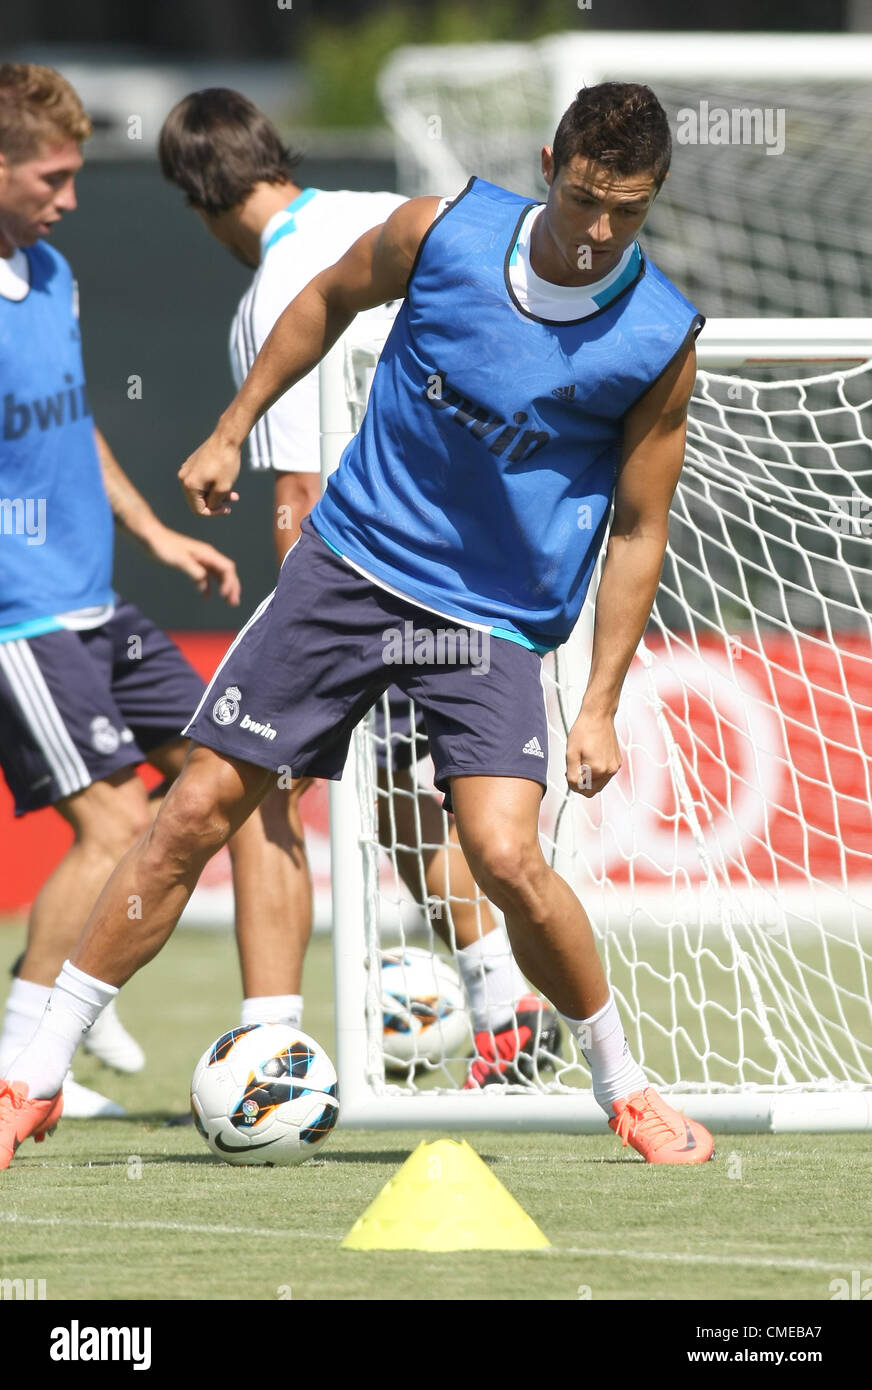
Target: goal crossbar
[{"x": 764, "y": 342}]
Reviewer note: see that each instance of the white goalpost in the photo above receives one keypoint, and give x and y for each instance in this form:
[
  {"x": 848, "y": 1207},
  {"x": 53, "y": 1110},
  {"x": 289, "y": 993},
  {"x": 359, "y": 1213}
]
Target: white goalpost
[{"x": 728, "y": 868}]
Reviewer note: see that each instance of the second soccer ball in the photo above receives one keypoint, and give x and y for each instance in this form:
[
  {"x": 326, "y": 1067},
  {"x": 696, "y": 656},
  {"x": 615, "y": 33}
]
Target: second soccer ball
[{"x": 424, "y": 1010}]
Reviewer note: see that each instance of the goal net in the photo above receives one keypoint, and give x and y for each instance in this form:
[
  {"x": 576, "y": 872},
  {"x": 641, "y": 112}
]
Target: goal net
[
  {"x": 727, "y": 868},
  {"x": 766, "y": 206}
]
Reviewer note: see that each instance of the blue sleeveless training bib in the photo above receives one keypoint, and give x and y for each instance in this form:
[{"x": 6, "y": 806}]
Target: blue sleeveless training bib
[
  {"x": 481, "y": 479},
  {"x": 56, "y": 527}
]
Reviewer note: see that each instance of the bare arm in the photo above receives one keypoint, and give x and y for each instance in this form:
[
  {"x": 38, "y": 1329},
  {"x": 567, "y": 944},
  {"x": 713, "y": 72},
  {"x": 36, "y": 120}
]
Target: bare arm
[
  {"x": 129, "y": 507},
  {"x": 200, "y": 561},
  {"x": 375, "y": 269},
  {"x": 651, "y": 461}
]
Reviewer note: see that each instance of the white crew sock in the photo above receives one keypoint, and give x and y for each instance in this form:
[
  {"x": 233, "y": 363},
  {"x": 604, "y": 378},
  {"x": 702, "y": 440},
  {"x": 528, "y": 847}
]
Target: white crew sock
[
  {"x": 492, "y": 981},
  {"x": 24, "y": 1008},
  {"x": 614, "y": 1070},
  {"x": 75, "y": 1002},
  {"x": 273, "y": 1008}
]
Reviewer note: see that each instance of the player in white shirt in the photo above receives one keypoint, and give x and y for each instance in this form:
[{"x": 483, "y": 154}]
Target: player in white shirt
[
  {"x": 311, "y": 231},
  {"x": 239, "y": 177}
]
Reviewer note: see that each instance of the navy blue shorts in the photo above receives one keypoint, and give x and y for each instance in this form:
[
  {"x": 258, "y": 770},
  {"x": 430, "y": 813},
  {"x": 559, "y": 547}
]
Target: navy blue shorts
[
  {"x": 77, "y": 706},
  {"x": 323, "y": 647}
]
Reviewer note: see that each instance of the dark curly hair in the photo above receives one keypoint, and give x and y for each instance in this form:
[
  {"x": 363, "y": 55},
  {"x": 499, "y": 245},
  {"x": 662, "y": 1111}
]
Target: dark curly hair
[{"x": 620, "y": 125}]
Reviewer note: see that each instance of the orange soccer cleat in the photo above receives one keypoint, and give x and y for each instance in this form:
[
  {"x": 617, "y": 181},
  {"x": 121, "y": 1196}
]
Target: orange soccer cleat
[
  {"x": 21, "y": 1118},
  {"x": 659, "y": 1133}
]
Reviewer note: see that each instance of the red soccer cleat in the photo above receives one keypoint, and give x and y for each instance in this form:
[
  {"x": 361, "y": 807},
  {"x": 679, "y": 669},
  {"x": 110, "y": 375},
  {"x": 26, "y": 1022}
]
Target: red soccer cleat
[{"x": 510, "y": 1056}]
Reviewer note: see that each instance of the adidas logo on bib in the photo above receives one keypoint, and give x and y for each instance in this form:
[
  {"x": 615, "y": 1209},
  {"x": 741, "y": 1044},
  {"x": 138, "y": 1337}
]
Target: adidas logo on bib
[{"x": 534, "y": 748}]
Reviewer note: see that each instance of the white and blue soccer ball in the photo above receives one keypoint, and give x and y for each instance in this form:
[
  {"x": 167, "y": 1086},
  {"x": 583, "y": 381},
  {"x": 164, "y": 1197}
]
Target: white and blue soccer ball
[
  {"x": 265, "y": 1093},
  {"x": 424, "y": 1011}
]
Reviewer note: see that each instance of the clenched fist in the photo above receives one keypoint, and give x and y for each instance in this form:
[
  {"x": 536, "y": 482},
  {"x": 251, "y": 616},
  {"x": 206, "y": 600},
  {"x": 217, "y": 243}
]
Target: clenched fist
[{"x": 208, "y": 477}]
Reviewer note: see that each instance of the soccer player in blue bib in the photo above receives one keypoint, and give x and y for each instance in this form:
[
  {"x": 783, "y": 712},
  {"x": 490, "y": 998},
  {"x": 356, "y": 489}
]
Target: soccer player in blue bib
[
  {"x": 89, "y": 687},
  {"x": 231, "y": 163},
  {"x": 537, "y": 374}
]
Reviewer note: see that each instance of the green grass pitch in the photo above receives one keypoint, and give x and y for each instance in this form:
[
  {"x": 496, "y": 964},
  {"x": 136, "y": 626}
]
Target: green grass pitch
[{"x": 131, "y": 1209}]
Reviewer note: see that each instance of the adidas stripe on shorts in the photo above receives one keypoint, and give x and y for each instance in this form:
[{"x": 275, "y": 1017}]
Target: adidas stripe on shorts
[{"x": 77, "y": 706}]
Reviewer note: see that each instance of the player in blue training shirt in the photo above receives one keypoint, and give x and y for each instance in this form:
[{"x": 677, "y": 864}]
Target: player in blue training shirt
[
  {"x": 89, "y": 687},
  {"x": 236, "y": 173},
  {"x": 538, "y": 373}
]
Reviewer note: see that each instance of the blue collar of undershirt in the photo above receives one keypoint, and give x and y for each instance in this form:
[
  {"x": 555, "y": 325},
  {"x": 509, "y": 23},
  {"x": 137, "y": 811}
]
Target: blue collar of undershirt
[
  {"x": 626, "y": 277},
  {"x": 290, "y": 224}
]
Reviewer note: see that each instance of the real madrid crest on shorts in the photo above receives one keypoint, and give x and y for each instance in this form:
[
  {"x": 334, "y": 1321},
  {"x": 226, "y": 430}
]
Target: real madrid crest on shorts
[
  {"x": 105, "y": 738},
  {"x": 225, "y": 710}
]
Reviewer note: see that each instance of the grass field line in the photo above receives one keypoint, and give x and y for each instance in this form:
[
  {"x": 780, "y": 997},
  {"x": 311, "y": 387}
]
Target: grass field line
[
  {"x": 284, "y": 1232},
  {"x": 672, "y": 1257},
  {"x": 13, "y": 1218}
]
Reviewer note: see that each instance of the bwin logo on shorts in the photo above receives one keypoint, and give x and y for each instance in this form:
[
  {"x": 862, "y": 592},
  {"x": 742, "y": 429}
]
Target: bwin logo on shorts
[
  {"x": 265, "y": 730},
  {"x": 226, "y": 710}
]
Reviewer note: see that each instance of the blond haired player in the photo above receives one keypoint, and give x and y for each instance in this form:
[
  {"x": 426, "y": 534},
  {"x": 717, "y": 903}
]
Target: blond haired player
[{"x": 80, "y": 705}]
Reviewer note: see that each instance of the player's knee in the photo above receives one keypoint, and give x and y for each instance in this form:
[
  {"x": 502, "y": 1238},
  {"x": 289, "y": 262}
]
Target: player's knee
[
  {"x": 135, "y": 824},
  {"x": 116, "y": 829},
  {"x": 513, "y": 870},
  {"x": 191, "y": 825}
]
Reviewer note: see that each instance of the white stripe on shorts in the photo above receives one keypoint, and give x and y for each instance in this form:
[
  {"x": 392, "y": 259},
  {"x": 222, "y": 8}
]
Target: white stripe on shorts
[{"x": 43, "y": 716}]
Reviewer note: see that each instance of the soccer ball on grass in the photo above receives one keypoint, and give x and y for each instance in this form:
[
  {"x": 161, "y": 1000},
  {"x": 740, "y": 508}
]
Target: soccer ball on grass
[{"x": 265, "y": 1093}]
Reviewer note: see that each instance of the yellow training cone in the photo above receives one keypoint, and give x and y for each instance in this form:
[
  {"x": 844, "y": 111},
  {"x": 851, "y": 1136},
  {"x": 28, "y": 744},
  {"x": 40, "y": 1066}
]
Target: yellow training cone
[{"x": 444, "y": 1198}]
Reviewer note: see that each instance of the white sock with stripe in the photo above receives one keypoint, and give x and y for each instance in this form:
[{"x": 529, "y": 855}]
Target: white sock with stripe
[
  {"x": 614, "y": 1071},
  {"x": 75, "y": 1002},
  {"x": 492, "y": 981}
]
